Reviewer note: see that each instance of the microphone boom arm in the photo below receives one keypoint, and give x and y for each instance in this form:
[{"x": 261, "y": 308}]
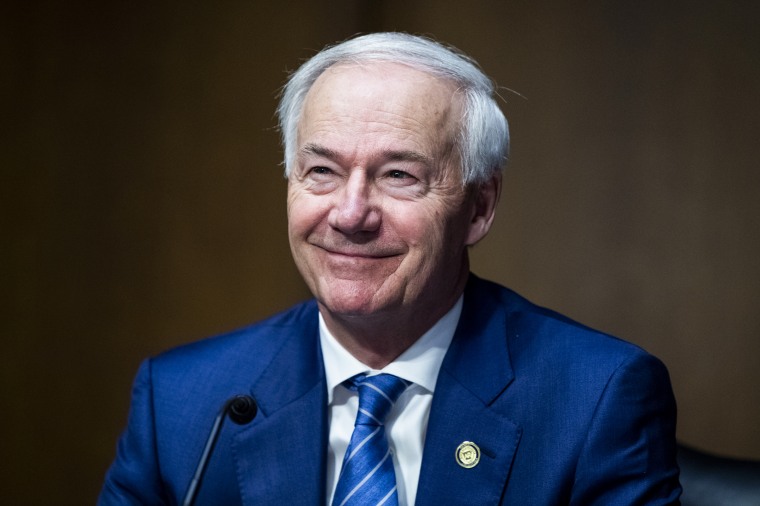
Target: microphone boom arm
[{"x": 242, "y": 409}]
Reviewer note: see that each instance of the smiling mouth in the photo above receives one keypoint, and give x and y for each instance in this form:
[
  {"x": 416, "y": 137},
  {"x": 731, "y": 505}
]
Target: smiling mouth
[
  {"x": 360, "y": 254},
  {"x": 369, "y": 254}
]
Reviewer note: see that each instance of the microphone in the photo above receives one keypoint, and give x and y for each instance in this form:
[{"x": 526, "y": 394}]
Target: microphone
[{"x": 241, "y": 410}]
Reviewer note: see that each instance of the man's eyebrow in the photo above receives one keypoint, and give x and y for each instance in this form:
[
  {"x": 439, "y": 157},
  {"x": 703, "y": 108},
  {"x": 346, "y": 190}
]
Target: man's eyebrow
[
  {"x": 316, "y": 149},
  {"x": 406, "y": 156}
]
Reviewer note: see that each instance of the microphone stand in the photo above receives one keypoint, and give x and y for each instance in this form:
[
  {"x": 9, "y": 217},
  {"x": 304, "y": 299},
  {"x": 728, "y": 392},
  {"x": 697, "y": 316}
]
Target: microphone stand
[{"x": 242, "y": 409}]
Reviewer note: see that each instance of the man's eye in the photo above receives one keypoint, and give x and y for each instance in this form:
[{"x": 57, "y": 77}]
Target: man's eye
[
  {"x": 321, "y": 170},
  {"x": 398, "y": 174}
]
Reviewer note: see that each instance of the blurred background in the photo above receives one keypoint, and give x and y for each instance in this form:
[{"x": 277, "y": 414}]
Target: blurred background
[{"x": 143, "y": 202}]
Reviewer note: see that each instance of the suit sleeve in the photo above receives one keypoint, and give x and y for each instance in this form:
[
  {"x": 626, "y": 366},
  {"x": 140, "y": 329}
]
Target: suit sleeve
[
  {"x": 629, "y": 456},
  {"x": 133, "y": 478}
]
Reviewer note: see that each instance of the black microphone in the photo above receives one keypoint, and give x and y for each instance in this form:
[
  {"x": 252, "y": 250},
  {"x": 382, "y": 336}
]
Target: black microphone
[{"x": 242, "y": 409}]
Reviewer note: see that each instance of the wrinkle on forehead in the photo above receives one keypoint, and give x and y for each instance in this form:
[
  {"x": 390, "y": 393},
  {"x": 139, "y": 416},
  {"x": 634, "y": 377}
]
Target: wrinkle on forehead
[{"x": 412, "y": 105}]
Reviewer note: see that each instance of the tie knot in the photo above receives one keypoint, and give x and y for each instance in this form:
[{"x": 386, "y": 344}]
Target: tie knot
[{"x": 376, "y": 396}]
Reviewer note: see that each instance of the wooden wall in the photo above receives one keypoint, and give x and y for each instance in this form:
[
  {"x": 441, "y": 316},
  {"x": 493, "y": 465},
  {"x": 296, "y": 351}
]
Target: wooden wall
[{"x": 143, "y": 203}]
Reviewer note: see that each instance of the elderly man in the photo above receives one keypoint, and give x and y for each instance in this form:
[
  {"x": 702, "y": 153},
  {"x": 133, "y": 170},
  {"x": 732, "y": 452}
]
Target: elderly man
[{"x": 407, "y": 380}]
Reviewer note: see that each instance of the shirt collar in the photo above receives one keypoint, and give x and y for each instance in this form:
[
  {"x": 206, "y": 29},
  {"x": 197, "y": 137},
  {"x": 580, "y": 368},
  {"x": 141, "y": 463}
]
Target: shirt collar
[{"x": 419, "y": 364}]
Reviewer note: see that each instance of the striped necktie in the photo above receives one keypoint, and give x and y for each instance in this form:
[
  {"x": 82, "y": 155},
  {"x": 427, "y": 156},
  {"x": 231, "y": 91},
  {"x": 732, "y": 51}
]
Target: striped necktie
[{"x": 367, "y": 477}]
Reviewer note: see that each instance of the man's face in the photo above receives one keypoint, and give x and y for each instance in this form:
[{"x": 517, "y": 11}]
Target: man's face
[{"x": 378, "y": 218}]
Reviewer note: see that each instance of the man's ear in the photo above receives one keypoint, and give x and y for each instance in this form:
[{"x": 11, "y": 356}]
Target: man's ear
[{"x": 486, "y": 198}]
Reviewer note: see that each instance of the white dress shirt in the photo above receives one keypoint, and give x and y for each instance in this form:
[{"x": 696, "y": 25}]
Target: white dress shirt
[{"x": 406, "y": 424}]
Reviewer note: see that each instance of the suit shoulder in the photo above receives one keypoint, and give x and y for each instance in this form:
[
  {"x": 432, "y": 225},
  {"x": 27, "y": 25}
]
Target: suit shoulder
[
  {"x": 248, "y": 346},
  {"x": 538, "y": 333}
]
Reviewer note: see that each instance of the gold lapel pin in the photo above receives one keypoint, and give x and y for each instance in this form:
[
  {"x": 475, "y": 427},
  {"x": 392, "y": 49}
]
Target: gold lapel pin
[{"x": 467, "y": 454}]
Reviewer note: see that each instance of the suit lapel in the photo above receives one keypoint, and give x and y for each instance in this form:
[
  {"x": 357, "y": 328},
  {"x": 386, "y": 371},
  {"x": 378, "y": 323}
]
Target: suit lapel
[
  {"x": 474, "y": 374},
  {"x": 280, "y": 458}
]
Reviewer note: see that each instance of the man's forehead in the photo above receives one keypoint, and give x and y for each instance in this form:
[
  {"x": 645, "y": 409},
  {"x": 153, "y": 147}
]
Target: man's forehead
[
  {"x": 371, "y": 79},
  {"x": 349, "y": 91}
]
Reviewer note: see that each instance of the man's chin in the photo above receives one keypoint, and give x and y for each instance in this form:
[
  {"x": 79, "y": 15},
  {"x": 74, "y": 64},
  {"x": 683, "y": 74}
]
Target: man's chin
[
  {"x": 354, "y": 302},
  {"x": 349, "y": 309}
]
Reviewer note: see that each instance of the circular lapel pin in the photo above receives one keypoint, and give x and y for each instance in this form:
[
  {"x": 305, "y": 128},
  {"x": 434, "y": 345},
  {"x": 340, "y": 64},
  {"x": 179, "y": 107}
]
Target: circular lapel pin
[{"x": 467, "y": 454}]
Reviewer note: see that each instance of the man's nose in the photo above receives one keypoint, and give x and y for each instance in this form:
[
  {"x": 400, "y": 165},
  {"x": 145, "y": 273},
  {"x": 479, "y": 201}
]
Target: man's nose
[{"x": 355, "y": 210}]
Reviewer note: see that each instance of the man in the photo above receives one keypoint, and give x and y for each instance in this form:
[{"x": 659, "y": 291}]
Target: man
[{"x": 394, "y": 147}]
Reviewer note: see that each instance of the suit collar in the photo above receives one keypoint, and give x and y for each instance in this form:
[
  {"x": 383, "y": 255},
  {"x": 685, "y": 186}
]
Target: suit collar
[
  {"x": 289, "y": 436},
  {"x": 475, "y": 372},
  {"x": 478, "y": 357}
]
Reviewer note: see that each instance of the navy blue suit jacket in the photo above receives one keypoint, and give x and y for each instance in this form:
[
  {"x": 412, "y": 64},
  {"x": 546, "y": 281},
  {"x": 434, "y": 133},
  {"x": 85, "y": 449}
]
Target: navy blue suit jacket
[{"x": 562, "y": 415}]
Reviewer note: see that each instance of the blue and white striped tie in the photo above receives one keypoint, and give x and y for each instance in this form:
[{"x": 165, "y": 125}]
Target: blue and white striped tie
[{"x": 367, "y": 477}]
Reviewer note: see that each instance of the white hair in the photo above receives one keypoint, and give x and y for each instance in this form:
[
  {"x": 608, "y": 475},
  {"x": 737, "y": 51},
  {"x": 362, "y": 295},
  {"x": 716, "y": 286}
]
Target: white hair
[{"x": 483, "y": 138}]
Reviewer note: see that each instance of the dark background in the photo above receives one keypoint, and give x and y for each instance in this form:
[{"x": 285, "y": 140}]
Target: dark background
[{"x": 143, "y": 203}]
